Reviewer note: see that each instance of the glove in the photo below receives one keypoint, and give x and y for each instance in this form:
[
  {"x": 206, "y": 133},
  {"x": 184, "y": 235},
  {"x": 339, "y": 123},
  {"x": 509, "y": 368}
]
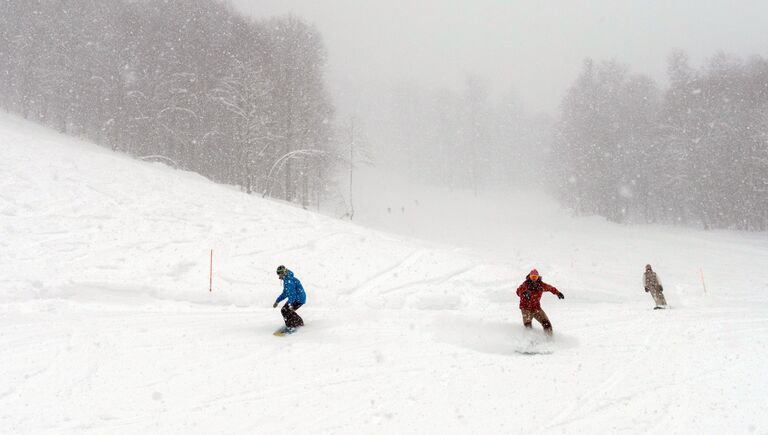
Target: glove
[
  {"x": 661, "y": 289},
  {"x": 560, "y": 296},
  {"x": 527, "y": 295},
  {"x": 274, "y": 305},
  {"x": 646, "y": 290}
]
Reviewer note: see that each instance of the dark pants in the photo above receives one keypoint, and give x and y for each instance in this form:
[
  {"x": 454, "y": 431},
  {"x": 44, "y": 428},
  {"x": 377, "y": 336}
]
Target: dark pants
[
  {"x": 292, "y": 320},
  {"x": 540, "y": 316}
]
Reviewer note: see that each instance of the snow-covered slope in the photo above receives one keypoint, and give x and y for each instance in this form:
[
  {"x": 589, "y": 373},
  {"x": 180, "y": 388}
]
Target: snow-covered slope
[{"x": 107, "y": 324}]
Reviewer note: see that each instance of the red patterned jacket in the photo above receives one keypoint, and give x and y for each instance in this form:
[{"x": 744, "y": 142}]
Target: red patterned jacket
[{"x": 536, "y": 289}]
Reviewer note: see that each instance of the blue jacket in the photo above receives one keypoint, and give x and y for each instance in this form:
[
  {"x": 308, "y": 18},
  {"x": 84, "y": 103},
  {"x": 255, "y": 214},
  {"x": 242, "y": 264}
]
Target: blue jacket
[{"x": 292, "y": 290}]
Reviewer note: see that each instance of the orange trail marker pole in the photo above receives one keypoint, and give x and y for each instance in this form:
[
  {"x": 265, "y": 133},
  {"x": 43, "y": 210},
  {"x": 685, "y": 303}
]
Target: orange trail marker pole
[
  {"x": 701, "y": 272},
  {"x": 210, "y": 286}
]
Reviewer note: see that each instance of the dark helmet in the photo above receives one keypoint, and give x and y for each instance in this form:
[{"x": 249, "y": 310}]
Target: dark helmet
[
  {"x": 281, "y": 270},
  {"x": 648, "y": 267}
]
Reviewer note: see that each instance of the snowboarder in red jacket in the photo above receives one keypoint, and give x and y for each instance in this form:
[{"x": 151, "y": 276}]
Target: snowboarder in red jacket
[{"x": 530, "y": 292}]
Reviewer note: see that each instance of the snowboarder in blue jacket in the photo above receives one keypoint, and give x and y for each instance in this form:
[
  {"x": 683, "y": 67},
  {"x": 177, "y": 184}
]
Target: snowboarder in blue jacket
[{"x": 294, "y": 292}]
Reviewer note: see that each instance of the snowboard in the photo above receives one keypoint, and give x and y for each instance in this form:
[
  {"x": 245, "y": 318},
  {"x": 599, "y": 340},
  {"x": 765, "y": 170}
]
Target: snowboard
[
  {"x": 532, "y": 352},
  {"x": 534, "y": 344},
  {"x": 534, "y": 348},
  {"x": 284, "y": 331}
]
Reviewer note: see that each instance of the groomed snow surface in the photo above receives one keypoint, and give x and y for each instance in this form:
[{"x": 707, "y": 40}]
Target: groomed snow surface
[{"x": 107, "y": 325}]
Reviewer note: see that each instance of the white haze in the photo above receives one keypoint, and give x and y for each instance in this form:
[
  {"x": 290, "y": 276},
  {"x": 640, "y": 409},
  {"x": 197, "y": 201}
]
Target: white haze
[
  {"x": 463, "y": 96},
  {"x": 468, "y": 96},
  {"x": 138, "y": 298},
  {"x": 535, "y": 48}
]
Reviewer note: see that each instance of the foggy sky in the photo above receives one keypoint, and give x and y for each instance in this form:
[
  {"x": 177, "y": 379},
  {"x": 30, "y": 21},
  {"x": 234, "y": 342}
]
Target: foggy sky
[{"x": 534, "y": 47}]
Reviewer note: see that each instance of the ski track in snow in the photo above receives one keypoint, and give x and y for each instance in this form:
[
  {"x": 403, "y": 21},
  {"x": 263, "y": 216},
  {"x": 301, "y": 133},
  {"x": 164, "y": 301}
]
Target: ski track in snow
[{"x": 107, "y": 324}]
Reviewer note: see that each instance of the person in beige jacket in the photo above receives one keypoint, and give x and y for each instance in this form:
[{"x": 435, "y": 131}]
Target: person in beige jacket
[{"x": 653, "y": 286}]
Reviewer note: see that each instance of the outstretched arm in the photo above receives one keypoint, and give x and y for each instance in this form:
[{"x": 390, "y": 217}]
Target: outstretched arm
[
  {"x": 553, "y": 290},
  {"x": 282, "y": 296},
  {"x": 289, "y": 286}
]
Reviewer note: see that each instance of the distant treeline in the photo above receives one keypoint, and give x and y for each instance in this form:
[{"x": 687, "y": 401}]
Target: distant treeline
[
  {"x": 461, "y": 139},
  {"x": 189, "y": 82},
  {"x": 693, "y": 153}
]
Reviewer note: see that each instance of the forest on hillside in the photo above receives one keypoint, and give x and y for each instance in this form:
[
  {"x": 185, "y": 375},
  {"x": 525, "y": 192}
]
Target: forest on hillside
[{"x": 190, "y": 82}]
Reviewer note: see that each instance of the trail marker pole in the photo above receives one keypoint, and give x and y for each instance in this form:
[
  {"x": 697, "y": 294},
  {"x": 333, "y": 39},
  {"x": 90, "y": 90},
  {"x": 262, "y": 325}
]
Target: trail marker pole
[
  {"x": 210, "y": 285},
  {"x": 701, "y": 273}
]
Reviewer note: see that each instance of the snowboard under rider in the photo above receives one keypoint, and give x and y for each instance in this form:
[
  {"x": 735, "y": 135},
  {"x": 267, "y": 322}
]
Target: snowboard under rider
[
  {"x": 294, "y": 292},
  {"x": 653, "y": 286},
  {"x": 530, "y": 292}
]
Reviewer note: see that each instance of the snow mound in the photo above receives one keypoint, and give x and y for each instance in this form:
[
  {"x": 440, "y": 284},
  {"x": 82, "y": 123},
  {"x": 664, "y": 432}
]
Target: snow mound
[{"x": 107, "y": 324}]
